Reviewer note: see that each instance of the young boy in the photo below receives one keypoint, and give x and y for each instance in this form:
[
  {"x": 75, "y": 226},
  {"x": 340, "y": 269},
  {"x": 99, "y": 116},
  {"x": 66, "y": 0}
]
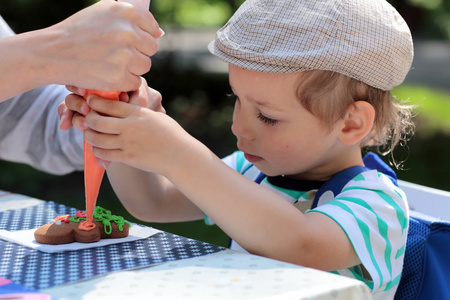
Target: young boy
[{"x": 311, "y": 82}]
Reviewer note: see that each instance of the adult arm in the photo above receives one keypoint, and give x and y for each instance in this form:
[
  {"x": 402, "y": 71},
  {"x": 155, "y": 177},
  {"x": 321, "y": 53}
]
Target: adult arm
[
  {"x": 29, "y": 128},
  {"x": 105, "y": 46}
]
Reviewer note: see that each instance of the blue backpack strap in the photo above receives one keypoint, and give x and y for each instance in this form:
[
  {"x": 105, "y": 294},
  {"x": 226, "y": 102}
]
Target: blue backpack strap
[
  {"x": 337, "y": 182},
  {"x": 374, "y": 162}
]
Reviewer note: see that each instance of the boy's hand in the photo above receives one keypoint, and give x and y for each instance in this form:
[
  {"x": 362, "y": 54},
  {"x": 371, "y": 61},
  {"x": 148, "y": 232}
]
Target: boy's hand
[
  {"x": 74, "y": 108},
  {"x": 136, "y": 136}
]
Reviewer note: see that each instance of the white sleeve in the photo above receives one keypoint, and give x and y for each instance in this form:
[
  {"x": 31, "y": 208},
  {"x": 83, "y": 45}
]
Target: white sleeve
[
  {"x": 5, "y": 30},
  {"x": 373, "y": 212},
  {"x": 29, "y": 132},
  {"x": 29, "y": 129}
]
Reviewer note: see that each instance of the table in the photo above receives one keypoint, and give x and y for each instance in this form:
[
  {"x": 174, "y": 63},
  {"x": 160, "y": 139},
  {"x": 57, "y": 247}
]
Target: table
[{"x": 209, "y": 272}]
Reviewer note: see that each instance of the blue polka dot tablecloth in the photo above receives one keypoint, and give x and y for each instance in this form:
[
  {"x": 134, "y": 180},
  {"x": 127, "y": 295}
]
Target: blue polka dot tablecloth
[{"x": 39, "y": 270}]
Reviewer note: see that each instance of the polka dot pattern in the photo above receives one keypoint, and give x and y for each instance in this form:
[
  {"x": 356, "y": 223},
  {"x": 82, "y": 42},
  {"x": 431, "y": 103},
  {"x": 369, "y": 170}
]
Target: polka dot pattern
[
  {"x": 223, "y": 275},
  {"x": 39, "y": 270}
]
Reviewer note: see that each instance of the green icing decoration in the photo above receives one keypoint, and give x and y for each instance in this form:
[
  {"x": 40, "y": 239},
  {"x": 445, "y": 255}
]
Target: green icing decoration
[
  {"x": 104, "y": 216},
  {"x": 76, "y": 219}
]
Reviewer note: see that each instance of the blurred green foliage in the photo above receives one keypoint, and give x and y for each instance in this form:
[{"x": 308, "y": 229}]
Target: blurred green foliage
[
  {"x": 426, "y": 154},
  {"x": 433, "y": 108},
  {"x": 199, "y": 13},
  {"x": 198, "y": 101},
  {"x": 426, "y": 18}
]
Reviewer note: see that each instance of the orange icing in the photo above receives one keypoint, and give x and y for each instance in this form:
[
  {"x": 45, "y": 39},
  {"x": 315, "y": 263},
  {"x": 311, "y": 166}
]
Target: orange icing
[
  {"x": 58, "y": 218},
  {"x": 93, "y": 173},
  {"x": 87, "y": 225}
]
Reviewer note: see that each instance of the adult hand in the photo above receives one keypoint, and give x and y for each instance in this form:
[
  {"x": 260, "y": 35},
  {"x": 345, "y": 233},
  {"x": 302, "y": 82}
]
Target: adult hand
[{"x": 106, "y": 46}]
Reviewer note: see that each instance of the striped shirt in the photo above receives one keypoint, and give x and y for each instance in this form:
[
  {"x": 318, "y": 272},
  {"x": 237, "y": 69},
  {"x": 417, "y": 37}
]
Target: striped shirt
[{"x": 371, "y": 210}]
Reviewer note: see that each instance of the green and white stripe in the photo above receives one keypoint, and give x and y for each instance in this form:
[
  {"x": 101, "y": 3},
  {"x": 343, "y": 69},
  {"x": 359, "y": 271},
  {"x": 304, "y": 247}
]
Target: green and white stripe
[{"x": 371, "y": 210}]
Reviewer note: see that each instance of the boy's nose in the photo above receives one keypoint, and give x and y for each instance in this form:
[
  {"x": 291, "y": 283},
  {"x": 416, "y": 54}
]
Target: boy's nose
[{"x": 241, "y": 127}]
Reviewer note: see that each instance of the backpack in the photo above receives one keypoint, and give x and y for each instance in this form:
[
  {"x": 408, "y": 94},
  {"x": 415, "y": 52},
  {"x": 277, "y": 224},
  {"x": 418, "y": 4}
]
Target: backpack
[{"x": 426, "y": 269}]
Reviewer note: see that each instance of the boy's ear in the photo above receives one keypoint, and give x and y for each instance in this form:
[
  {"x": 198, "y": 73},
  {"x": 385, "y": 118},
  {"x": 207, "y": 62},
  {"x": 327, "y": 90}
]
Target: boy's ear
[{"x": 357, "y": 123}]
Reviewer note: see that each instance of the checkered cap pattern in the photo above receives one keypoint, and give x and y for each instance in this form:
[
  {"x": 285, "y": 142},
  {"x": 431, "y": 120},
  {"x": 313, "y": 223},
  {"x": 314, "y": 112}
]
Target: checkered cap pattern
[
  {"x": 364, "y": 39},
  {"x": 39, "y": 270}
]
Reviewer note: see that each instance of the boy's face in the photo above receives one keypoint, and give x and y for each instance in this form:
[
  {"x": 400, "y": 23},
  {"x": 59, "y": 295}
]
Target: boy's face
[{"x": 276, "y": 133}]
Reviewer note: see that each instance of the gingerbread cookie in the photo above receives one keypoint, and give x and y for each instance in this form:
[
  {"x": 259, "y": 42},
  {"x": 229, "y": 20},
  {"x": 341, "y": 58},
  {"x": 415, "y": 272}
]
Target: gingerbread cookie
[{"x": 64, "y": 229}]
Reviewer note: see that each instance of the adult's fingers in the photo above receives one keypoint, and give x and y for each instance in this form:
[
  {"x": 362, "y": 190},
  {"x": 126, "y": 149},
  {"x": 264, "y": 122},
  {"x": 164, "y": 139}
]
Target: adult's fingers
[
  {"x": 140, "y": 64},
  {"x": 143, "y": 4}
]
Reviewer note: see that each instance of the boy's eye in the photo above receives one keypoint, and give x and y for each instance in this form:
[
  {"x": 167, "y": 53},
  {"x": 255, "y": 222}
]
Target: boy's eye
[
  {"x": 267, "y": 120},
  {"x": 232, "y": 96}
]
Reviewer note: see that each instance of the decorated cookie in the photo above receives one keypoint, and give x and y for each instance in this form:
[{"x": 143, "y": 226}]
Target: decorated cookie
[{"x": 65, "y": 229}]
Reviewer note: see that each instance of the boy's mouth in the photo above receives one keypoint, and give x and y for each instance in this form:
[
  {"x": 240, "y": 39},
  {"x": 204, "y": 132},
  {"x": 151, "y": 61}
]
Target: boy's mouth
[
  {"x": 252, "y": 158},
  {"x": 249, "y": 157}
]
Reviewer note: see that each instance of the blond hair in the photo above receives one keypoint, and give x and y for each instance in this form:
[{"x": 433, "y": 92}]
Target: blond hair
[{"x": 327, "y": 95}]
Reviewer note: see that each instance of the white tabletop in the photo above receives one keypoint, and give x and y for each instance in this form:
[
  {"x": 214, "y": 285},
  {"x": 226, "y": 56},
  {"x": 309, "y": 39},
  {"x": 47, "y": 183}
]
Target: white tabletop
[
  {"x": 12, "y": 201},
  {"x": 226, "y": 274},
  {"x": 223, "y": 275}
]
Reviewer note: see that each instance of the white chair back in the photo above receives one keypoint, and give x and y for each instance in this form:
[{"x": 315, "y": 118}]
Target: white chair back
[{"x": 430, "y": 201}]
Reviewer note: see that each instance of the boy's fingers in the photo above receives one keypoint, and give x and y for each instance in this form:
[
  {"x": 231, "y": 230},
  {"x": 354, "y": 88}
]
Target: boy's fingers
[
  {"x": 76, "y": 103},
  {"x": 102, "y": 124},
  {"x": 76, "y": 90},
  {"x": 103, "y": 163},
  {"x": 107, "y": 154},
  {"x": 117, "y": 109},
  {"x": 100, "y": 140},
  {"x": 78, "y": 122},
  {"x": 65, "y": 123},
  {"x": 62, "y": 110}
]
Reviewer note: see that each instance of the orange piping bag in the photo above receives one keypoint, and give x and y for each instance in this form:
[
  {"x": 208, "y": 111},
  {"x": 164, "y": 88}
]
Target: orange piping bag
[{"x": 93, "y": 173}]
